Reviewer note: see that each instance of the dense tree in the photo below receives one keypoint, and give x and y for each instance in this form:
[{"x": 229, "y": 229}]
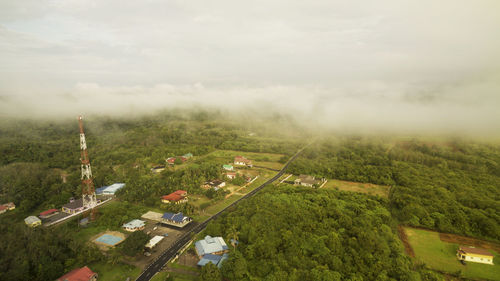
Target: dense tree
[{"x": 134, "y": 243}]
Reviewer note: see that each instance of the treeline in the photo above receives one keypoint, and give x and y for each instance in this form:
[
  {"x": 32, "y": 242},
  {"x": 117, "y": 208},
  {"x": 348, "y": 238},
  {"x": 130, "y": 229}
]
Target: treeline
[
  {"x": 35, "y": 154},
  {"x": 452, "y": 187},
  {"x": 289, "y": 233}
]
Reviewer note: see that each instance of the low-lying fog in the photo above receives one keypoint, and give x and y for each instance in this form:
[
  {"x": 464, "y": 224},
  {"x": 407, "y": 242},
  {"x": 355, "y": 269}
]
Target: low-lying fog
[{"x": 416, "y": 66}]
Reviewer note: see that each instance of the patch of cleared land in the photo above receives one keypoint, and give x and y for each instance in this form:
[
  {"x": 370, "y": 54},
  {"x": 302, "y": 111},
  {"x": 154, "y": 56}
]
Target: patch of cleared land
[
  {"x": 254, "y": 156},
  {"x": 368, "y": 188},
  {"x": 441, "y": 256}
]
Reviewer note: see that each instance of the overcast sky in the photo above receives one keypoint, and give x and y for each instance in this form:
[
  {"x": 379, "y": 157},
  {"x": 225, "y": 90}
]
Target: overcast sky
[{"x": 381, "y": 64}]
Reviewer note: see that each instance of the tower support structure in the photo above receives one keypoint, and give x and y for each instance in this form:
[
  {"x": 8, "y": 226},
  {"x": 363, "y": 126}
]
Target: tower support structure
[{"x": 88, "y": 189}]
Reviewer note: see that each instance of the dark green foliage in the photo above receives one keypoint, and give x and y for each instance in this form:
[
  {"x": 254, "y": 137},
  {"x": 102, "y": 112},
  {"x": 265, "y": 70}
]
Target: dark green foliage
[
  {"x": 210, "y": 272},
  {"x": 452, "y": 187},
  {"x": 238, "y": 180},
  {"x": 41, "y": 253},
  {"x": 297, "y": 234},
  {"x": 134, "y": 243}
]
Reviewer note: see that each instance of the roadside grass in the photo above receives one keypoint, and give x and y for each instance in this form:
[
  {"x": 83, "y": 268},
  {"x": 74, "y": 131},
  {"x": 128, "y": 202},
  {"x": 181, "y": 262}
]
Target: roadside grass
[
  {"x": 160, "y": 276},
  {"x": 118, "y": 271},
  {"x": 185, "y": 267},
  {"x": 441, "y": 256},
  {"x": 368, "y": 188},
  {"x": 217, "y": 207},
  {"x": 183, "y": 277}
]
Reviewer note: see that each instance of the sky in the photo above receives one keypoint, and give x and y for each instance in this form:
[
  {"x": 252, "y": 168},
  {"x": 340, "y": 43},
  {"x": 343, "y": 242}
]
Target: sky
[{"x": 387, "y": 64}]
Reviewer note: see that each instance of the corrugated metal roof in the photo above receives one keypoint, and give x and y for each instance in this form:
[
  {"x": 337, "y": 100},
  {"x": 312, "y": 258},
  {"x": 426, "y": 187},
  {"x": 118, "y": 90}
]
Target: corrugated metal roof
[
  {"x": 210, "y": 245},
  {"x": 155, "y": 240},
  {"x": 134, "y": 224},
  {"x": 31, "y": 220},
  {"x": 110, "y": 189},
  {"x": 179, "y": 217}
]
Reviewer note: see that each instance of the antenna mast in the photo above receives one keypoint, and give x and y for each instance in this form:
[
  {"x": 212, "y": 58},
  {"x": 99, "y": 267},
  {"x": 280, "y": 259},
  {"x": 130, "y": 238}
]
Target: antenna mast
[{"x": 88, "y": 191}]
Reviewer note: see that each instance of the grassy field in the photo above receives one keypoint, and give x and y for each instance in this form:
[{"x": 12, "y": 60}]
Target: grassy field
[
  {"x": 368, "y": 188},
  {"x": 118, "y": 271},
  {"x": 439, "y": 255},
  {"x": 217, "y": 207},
  {"x": 254, "y": 156}
]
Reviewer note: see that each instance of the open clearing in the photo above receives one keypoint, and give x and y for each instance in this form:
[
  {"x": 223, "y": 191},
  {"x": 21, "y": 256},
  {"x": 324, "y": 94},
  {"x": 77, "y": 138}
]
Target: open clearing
[
  {"x": 254, "y": 156},
  {"x": 368, "y": 188},
  {"x": 440, "y": 256}
]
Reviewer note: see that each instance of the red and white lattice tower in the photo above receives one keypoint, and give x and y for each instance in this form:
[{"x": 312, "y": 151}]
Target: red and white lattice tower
[{"x": 88, "y": 191}]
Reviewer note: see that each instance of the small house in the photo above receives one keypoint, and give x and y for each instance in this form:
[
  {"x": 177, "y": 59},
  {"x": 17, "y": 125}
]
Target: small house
[
  {"x": 230, "y": 175},
  {"x": 3, "y": 209},
  {"x": 32, "y": 221},
  {"x": 242, "y": 161},
  {"x": 10, "y": 206},
  {"x": 306, "y": 180},
  {"x": 171, "y": 160},
  {"x": 74, "y": 206},
  {"x": 211, "y": 245},
  {"x": 473, "y": 254},
  {"x": 154, "y": 241},
  {"x": 177, "y": 219},
  {"x": 177, "y": 197},
  {"x": 48, "y": 213},
  {"x": 188, "y": 155},
  {"x": 228, "y": 167},
  {"x": 79, "y": 274},
  {"x": 134, "y": 225}
]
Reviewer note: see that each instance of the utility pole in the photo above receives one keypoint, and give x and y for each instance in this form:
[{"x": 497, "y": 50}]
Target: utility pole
[{"x": 88, "y": 190}]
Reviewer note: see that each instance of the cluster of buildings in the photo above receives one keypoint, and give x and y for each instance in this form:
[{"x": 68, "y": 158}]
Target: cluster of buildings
[
  {"x": 214, "y": 184},
  {"x": 211, "y": 249},
  {"x": 7, "y": 207},
  {"x": 72, "y": 207}
]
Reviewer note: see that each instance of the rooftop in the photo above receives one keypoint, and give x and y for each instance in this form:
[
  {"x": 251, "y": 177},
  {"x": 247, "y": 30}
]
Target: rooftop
[
  {"x": 155, "y": 240},
  {"x": 110, "y": 189},
  {"x": 31, "y": 220},
  {"x": 48, "y": 212},
  {"x": 210, "y": 245},
  {"x": 74, "y": 205},
  {"x": 79, "y": 274},
  {"x": 179, "y": 217},
  {"x": 476, "y": 251},
  {"x": 134, "y": 224},
  {"x": 215, "y": 259}
]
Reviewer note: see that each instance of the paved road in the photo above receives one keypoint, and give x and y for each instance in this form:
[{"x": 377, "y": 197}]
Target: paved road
[{"x": 173, "y": 250}]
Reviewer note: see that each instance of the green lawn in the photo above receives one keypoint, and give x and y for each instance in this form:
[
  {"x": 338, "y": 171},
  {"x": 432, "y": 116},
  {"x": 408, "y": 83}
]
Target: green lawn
[
  {"x": 439, "y": 255},
  {"x": 217, "y": 207},
  {"x": 118, "y": 271}
]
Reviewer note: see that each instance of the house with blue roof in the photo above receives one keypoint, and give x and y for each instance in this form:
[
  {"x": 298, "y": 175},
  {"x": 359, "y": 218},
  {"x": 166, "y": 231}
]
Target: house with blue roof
[
  {"x": 211, "y": 245},
  {"x": 215, "y": 259},
  {"x": 178, "y": 219}
]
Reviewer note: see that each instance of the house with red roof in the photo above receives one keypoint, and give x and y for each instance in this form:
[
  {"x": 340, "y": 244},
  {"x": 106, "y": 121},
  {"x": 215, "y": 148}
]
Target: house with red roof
[
  {"x": 242, "y": 161},
  {"x": 48, "y": 213},
  {"x": 3, "y": 209},
  {"x": 79, "y": 274},
  {"x": 176, "y": 197},
  {"x": 6, "y": 207}
]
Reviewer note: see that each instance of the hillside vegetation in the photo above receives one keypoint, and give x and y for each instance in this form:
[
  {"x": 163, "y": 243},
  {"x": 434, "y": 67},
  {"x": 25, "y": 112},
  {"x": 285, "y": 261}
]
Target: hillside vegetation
[{"x": 451, "y": 187}]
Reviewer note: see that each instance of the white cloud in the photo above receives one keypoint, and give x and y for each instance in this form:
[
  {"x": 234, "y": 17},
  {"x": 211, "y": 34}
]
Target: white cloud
[{"x": 393, "y": 63}]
